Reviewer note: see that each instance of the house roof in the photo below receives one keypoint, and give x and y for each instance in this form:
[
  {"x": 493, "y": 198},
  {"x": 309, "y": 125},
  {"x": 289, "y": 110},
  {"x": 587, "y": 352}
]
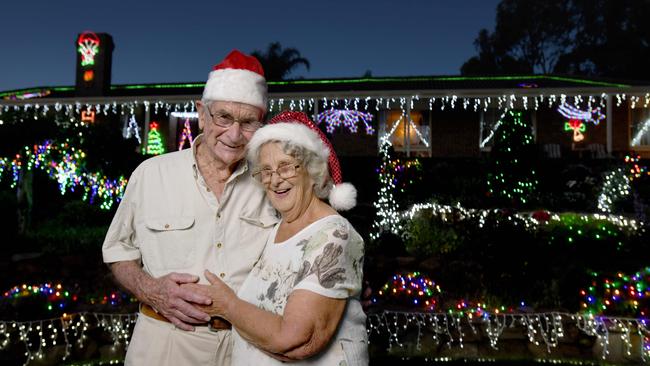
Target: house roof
[{"x": 433, "y": 84}]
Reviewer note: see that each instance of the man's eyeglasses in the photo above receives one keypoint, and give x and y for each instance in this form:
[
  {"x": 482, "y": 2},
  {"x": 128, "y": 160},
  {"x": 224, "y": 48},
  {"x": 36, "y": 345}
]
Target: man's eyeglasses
[
  {"x": 283, "y": 171},
  {"x": 226, "y": 121}
]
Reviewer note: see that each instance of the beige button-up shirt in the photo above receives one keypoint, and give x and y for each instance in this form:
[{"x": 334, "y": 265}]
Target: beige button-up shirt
[{"x": 170, "y": 220}]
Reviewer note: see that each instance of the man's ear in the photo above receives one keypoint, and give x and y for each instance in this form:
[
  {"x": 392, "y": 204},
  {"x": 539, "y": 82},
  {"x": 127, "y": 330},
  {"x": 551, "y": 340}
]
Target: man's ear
[{"x": 201, "y": 111}]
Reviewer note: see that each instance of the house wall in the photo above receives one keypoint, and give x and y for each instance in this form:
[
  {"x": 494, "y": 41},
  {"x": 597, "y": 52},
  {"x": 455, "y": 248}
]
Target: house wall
[{"x": 455, "y": 133}]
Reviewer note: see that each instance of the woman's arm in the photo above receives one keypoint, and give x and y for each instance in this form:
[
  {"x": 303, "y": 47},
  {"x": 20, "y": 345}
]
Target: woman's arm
[{"x": 306, "y": 327}]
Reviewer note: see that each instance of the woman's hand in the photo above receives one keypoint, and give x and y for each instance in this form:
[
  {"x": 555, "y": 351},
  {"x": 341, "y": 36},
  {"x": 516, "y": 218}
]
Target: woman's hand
[{"x": 221, "y": 294}]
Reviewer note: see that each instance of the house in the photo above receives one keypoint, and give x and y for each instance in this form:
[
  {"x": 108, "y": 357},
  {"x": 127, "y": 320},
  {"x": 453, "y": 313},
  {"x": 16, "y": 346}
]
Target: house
[{"x": 425, "y": 116}]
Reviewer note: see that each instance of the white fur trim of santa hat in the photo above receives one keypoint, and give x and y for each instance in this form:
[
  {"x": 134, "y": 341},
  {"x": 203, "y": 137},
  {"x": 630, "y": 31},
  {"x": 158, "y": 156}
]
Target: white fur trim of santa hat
[
  {"x": 343, "y": 196},
  {"x": 236, "y": 85},
  {"x": 297, "y": 133}
]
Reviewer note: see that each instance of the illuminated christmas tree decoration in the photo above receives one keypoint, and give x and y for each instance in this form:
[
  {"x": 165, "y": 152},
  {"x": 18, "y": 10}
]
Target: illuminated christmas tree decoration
[
  {"x": 333, "y": 118},
  {"x": 593, "y": 115},
  {"x": 578, "y": 128},
  {"x": 88, "y": 43},
  {"x": 132, "y": 130},
  {"x": 511, "y": 178},
  {"x": 154, "y": 140},
  {"x": 186, "y": 135}
]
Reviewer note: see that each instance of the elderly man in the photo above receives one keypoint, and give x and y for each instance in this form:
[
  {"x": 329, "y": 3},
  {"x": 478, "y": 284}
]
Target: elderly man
[{"x": 192, "y": 210}]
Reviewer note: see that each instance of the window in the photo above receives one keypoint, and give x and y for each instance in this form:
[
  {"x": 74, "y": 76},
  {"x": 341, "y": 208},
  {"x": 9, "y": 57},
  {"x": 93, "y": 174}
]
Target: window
[
  {"x": 409, "y": 133},
  {"x": 640, "y": 129}
]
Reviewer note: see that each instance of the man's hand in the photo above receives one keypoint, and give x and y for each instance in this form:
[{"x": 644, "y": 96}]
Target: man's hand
[
  {"x": 221, "y": 295},
  {"x": 174, "y": 301}
]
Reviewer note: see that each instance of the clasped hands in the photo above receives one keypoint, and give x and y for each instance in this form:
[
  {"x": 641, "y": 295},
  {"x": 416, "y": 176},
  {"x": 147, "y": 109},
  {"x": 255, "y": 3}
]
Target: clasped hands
[{"x": 220, "y": 294}]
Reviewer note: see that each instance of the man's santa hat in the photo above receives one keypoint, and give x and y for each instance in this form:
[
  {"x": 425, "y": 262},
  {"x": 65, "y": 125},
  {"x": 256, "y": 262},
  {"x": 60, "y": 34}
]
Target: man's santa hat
[
  {"x": 297, "y": 128},
  {"x": 238, "y": 78}
]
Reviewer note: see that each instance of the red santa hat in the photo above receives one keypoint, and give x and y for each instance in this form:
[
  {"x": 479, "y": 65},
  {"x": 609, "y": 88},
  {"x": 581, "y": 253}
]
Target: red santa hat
[
  {"x": 238, "y": 78},
  {"x": 297, "y": 128}
]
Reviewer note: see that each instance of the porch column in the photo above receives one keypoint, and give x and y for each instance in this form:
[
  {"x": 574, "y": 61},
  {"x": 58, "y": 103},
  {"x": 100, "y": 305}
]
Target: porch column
[{"x": 610, "y": 119}]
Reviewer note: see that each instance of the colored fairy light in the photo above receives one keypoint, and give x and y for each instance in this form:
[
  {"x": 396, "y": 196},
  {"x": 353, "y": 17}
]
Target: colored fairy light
[
  {"x": 88, "y": 47},
  {"x": 618, "y": 294},
  {"x": 334, "y": 118},
  {"x": 66, "y": 165}
]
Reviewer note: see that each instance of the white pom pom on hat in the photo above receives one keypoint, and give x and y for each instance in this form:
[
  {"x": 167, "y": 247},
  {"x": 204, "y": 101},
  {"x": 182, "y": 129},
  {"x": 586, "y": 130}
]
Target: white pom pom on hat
[
  {"x": 299, "y": 129},
  {"x": 238, "y": 78}
]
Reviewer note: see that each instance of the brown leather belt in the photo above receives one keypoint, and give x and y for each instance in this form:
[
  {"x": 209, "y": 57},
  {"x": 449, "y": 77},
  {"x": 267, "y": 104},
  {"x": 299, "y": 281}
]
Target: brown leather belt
[{"x": 215, "y": 323}]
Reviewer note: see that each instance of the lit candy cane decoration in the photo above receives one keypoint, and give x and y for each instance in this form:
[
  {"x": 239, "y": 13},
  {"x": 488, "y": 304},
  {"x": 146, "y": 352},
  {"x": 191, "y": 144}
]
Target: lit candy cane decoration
[
  {"x": 186, "y": 135},
  {"x": 349, "y": 118},
  {"x": 88, "y": 47}
]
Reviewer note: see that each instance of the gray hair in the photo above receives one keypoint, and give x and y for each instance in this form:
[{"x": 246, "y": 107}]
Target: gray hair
[{"x": 315, "y": 165}]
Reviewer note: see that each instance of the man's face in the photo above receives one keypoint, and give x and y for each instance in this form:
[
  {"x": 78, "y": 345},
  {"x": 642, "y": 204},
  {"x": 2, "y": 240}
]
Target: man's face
[{"x": 226, "y": 144}]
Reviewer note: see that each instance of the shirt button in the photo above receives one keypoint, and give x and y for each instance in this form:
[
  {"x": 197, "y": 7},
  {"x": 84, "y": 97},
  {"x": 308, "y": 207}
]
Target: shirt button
[
  {"x": 218, "y": 245},
  {"x": 222, "y": 275},
  {"x": 166, "y": 226},
  {"x": 218, "y": 215}
]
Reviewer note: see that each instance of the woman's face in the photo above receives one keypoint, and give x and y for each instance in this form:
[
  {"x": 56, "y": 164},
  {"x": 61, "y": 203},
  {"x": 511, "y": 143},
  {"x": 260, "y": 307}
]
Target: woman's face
[{"x": 290, "y": 195}]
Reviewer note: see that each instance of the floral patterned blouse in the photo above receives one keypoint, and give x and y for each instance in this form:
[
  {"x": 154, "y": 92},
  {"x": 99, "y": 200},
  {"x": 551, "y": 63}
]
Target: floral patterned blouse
[{"x": 326, "y": 257}]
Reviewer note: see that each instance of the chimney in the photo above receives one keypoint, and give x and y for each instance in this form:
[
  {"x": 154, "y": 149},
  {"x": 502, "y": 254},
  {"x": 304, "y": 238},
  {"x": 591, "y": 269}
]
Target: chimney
[{"x": 94, "y": 58}]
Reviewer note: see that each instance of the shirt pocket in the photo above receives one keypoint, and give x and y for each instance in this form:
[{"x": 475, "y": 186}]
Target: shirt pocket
[
  {"x": 170, "y": 243},
  {"x": 253, "y": 234}
]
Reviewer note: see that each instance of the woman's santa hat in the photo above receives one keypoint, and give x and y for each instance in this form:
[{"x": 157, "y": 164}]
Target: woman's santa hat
[
  {"x": 238, "y": 78},
  {"x": 297, "y": 128}
]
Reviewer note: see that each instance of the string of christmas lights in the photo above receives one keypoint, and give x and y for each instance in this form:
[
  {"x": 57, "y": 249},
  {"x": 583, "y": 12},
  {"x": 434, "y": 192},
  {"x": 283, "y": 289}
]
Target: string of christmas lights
[
  {"x": 615, "y": 187},
  {"x": 541, "y": 329},
  {"x": 640, "y": 133},
  {"x": 450, "y": 328},
  {"x": 57, "y": 297},
  {"x": 531, "y": 221},
  {"x": 386, "y": 207},
  {"x": 66, "y": 165},
  {"x": 68, "y": 330},
  {"x": 359, "y": 103}
]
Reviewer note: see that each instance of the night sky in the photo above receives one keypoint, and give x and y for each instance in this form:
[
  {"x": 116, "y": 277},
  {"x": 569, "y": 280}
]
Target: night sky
[{"x": 175, "y": 41}]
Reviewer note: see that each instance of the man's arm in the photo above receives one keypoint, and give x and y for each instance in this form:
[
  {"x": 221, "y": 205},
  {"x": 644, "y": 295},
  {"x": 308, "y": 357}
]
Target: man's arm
[{"x": 164, "y": 293}]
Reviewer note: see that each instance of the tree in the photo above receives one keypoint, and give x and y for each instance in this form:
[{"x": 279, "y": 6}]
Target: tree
[
  {"x": 530, "y": 36},
  {"x": 278, "y": 63},
  {"x": 608, "y": 38},
  {"x": 612, "y": 39}
]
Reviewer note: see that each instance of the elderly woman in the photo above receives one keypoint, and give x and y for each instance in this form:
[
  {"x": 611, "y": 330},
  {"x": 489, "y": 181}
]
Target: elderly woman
[{"x": 301, "y": 300}]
